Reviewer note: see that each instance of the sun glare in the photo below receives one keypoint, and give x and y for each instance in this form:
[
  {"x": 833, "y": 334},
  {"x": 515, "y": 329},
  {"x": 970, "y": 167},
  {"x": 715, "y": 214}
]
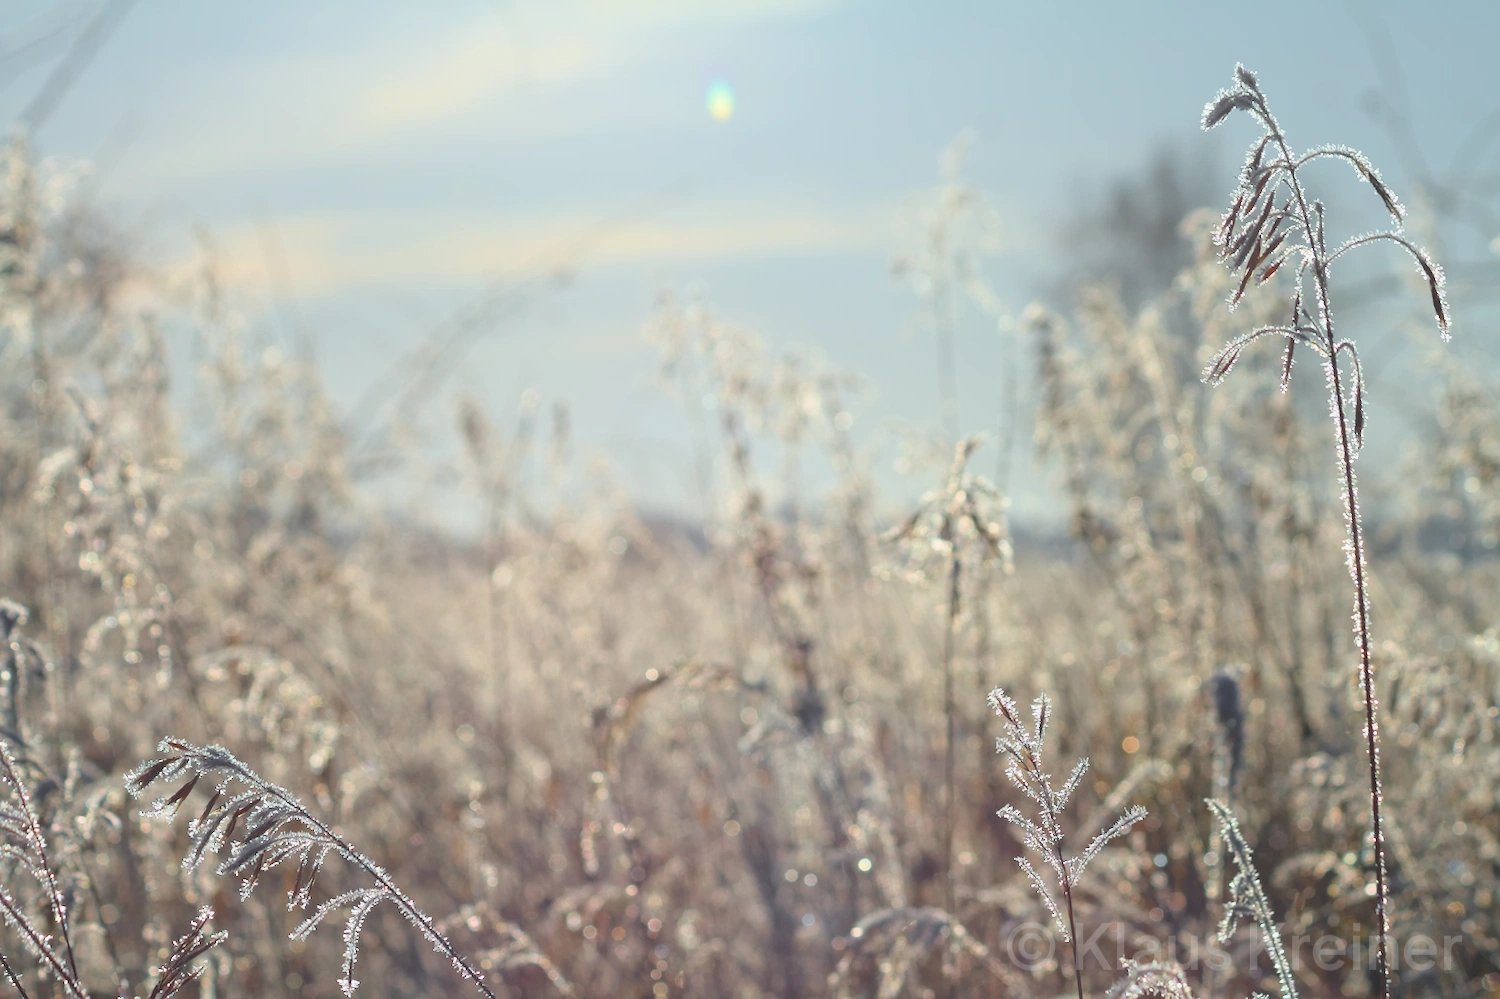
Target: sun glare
[{"x": 720, "y": 101}]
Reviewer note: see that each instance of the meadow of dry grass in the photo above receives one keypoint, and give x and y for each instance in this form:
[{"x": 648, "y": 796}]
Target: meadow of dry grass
[{"x": 592, "y": 753}]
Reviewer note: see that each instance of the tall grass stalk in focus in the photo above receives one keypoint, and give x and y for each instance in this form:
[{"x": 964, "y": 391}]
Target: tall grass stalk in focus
[{"x": 1272, "y": 222}]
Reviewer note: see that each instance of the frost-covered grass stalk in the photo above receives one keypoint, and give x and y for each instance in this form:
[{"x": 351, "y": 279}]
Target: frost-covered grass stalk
[
  {"x": 22, "y": 838},
  {"x": 276, "y": 828},
  {"x": 1023, "y": 745},
  {"x": 1272, "y": 223},
  {"x": 1246, "y": 895},
  {"x": 179, "y": 969}
]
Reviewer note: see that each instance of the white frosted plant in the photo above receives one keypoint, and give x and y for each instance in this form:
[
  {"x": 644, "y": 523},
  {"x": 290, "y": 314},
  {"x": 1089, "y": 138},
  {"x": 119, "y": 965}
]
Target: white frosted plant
[
  {"x": 23, "y": 843},
  {"x": 1247, "y": 897},
  {"x": 1274, "y": 225},
  {"x": 257, "y": 825},
  {"x": 179, "y": 971},
  {"x": 1044, "y": 835}
]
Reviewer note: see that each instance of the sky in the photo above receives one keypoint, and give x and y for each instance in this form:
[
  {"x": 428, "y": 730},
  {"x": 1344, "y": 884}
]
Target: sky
[{"x": 368, "y": 171}]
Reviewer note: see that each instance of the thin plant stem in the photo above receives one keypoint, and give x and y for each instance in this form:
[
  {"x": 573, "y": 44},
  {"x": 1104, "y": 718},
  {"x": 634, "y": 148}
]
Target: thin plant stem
[
  {"x": 1067, "y": 891},
  {"x": 15, "y": 980},
  {"x": 1315, "y": 236},
  {"x": 37, "y": 943},
  {"x": 45, "y": 874},
  {"x": 950, "y": 638},
  {"x": 1009, "y": 392},
  {"x": 1366, "y": 668}
]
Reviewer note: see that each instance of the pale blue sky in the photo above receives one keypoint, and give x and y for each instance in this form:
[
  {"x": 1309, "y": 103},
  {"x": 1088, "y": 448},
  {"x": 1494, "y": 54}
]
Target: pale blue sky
[{"x": 405, "y": 156}]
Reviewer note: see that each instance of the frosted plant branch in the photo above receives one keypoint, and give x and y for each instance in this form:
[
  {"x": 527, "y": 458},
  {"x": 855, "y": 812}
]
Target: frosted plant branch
[
  {"x": 1246, "y": 895},
  {"x": 277, "y": 829},
  {"x": 1023, "y": 745},
  {"x": 39, "y": 944},
  {"x": 179, "y": 970},
  {"x": 1270, "y": 205},
  {"x": 13, "y": 978},
  {"x": 23, "y": 839}
]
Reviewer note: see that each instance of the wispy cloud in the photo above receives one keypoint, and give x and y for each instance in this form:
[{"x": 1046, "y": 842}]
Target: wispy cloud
[
  {"x": 569, "y": 41},
  {"x": 299, "y": 110},
  {"x": 324, "y": 254},
  {"x": 508, "y": 74},
  {"x": 454, "y": 76}
]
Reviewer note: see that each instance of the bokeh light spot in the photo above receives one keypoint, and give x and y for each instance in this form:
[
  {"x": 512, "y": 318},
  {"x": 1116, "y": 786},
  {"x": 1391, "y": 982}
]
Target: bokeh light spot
[{"x": 720, "y": 101}]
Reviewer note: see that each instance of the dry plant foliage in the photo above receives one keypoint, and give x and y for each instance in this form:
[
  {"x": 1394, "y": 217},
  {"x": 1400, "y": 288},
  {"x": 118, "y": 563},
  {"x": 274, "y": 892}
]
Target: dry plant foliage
[{"x": 589, "y": 753}]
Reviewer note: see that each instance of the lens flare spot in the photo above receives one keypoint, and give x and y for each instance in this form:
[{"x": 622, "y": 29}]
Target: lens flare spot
[{"x": 720, "y": 101}]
